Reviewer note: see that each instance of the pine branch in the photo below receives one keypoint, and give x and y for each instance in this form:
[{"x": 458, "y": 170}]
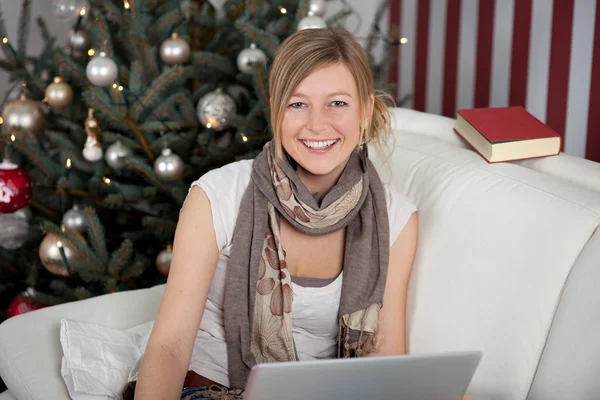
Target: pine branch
[
  {"x": 96, "y": 234},
  {"x": 246, "y": 124},
  {"x": 143, "y": 52},
  {"x": 202, "y": 90},
  {"x": 174, "y": 140},
  {"x": 141, "y": 138},
  {"x": 137, "y": 268},
  {"x": 162, "y": 228},
  {"x": 171, "y": 107},
  {"x": 44, "y": 32},
  {"x": 24, "y": 22},
  {"x": 111, "y": 137},
  {"x": 301, "y": 11},
  {"x": 335, "y": 20},
  {"x": 263, "y": 39},
  {"x": 120, "y": 258},
  {"x": 35, "y": 155},
  {"x": 135, "y": 80},
  {"x": 98, "y": 99},
  {"x": 89, "y": 275},
  {"x": 113, "y": 13},
  {"x": 260, "y": 83},
  {"x": 381, "y": 9},
  {"x": 70, "y": 68},
  {"x": 9, "y": 52},
  {"x": 82, "y": 293},
  {"x": 102, "y": 34},
  {"x": 145, "y": 171},
  {"x": 60, "y": 140},
  {"x": 164, "y": 82},
  {"x": 166, "y": 24},
  {"x": 214, "y": 62},
  {"x": 157, "y": 126}
]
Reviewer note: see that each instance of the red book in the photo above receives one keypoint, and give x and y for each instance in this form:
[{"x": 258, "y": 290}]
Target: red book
[{"x": 506, "y": 133}]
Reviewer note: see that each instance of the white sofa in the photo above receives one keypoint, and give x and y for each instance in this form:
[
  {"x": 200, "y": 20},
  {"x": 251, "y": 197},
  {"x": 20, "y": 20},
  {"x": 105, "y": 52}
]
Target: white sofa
[{"x": 507, "y": 263}]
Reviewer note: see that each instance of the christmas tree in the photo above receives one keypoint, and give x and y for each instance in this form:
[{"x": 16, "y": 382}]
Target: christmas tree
[{"x": 103, "y": 135}]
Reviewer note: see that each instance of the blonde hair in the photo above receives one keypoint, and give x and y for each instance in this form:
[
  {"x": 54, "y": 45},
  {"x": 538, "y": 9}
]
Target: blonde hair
[{"x": 308, "y": 50}]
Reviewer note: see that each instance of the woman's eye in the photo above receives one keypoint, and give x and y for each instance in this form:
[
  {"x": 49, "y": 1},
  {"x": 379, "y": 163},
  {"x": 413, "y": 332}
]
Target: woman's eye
[
  {"x": 296, "y": 105},
  {"x": 339, "y": 103}
]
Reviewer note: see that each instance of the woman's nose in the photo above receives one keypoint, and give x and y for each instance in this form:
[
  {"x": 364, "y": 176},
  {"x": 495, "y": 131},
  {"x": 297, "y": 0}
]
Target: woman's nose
[{"x": 317, "y": 121}]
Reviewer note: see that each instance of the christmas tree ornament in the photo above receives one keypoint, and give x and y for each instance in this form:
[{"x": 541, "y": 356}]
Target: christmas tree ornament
[
  {"x": 250, "y": 57},
  {"x": 215, "y": 108},
  {"x": 79, "y": 42},
  {"x": 219, "y": 7},
  {"x": 23, "y": 303},
  {"x": 317, "y": 7},
  {"x": 23, "y": 113},
  {"x": 311, "y": 22},
  {"x": 163, "y": 260},
  {"x": 14, "y": 228},
  {"x": 92, "y": 150},
  {"x": 15, "y": 187},
  {"x": 51, "y": 253},
  {"x": 102, "y": 70},
  {"x": 68, "y": 10},
  {"x": 175, "y": 50},
  {"x": 168, "y": 166},
  {"x": 59, "y": 93},
  {"x": 115, "y": 154},
  {"x": 75, "y": 220}
]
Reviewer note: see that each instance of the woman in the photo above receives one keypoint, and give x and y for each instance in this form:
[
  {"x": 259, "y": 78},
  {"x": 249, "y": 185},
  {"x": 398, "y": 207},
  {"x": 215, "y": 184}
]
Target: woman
[{"x": 307, "y": 226}]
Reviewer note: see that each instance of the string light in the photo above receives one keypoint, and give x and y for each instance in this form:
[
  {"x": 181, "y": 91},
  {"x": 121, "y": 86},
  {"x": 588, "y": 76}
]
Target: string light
[
  {"x": 126, "y": 5},
  {"x": 244, "y": 138},
  {"x": 59, "y": 244},
  {"x": 208, "y": 125},
  {"x": 1, "y": 120},
  {"x": 114, "y": 85},
  {"x": 403, "y": 40},
  {"x": 13, "y": 138},
  {"x": 106, "y": 180},
  {"x": 91, "y": 52},
  {"x": 23, "y": 83},
  {"x": 120, "y": 88},
  {"x": 283, "y": 10},
  {"x": 82, "y": 12},
  {"x": 68, "y": 163},
  {"x": 4, "y": 40}
]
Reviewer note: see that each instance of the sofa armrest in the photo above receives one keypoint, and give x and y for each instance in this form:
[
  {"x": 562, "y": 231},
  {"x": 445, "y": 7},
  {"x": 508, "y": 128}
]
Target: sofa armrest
[{"x": 30, "y": 349}]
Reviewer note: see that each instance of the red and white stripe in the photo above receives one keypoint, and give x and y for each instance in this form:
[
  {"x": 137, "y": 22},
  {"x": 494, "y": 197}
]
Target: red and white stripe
[{"x": 541, "y": 54}]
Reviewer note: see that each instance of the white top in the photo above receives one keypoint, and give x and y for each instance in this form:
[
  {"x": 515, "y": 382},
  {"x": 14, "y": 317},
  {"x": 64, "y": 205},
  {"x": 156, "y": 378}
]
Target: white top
[{"x": 315, "y": 309}]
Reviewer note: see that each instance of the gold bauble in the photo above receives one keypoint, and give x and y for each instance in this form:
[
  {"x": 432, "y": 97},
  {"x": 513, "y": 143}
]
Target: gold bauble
[
  {"x": 59, "y": 93},
  {"x": 23, "y": 113},
  {"x": 50, "y": 251}
]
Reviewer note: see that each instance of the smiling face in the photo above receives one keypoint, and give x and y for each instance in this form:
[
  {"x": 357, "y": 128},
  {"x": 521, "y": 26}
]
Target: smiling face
[{"x": 322, "y": 121}]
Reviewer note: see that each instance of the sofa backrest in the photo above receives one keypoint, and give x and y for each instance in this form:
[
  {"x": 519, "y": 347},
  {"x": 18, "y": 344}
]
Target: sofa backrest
[
  {"x": 497, "y": 244},
  {"x": 569, "y": 168}
]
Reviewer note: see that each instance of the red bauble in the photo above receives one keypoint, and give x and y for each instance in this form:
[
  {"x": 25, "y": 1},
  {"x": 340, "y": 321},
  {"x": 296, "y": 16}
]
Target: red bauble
[
  {"x": 15, "y": 187},
  {"x": 21, "y": 305}
]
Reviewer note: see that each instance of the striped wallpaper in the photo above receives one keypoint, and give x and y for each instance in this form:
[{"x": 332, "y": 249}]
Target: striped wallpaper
[{"x": 541, "y": 54}]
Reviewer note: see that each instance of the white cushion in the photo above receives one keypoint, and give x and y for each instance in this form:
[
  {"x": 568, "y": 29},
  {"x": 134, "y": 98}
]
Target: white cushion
[{"x": 496, "y": 245}]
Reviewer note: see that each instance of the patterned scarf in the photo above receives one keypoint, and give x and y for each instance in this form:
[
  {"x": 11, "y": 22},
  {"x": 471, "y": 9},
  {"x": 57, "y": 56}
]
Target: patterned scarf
[{"x": 258, "y": 289}]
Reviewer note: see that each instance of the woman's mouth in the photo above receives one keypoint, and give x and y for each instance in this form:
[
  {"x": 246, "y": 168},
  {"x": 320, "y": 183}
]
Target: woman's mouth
[{"x": 319, "y": 146}]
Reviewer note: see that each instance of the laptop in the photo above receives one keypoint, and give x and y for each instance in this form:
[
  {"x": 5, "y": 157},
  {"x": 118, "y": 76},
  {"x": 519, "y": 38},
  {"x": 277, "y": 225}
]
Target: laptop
[{"x": 439, "y": 376}]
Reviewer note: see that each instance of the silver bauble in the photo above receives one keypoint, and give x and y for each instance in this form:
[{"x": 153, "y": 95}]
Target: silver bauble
[
  {"x": 115, "y": 154},
  {"x": 215, "y": 108},
  {"x": 317, "y": 7},
  {"x": 50, "y": 251},
  {"x": 163, "y": 260},
  {"x": 168, "y": 166},
  {"x": 79, "y": 42},
  {"x": 59, "y": 93},
  {"x": 175, "y": 50},
  {"x": 102, "y": 70},
  {"x": 75, "y": 220},
  {"x": 249, "y": 57},
  {"x": 14, "y": 228},
  {"x": 23, "y": 113},
  {"x": 311, "y": 22},
  {"x": 92, "y": 150}
]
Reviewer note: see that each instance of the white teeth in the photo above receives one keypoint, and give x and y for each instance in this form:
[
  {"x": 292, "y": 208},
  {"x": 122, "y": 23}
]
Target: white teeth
[{"x": 319, "y": 145}]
